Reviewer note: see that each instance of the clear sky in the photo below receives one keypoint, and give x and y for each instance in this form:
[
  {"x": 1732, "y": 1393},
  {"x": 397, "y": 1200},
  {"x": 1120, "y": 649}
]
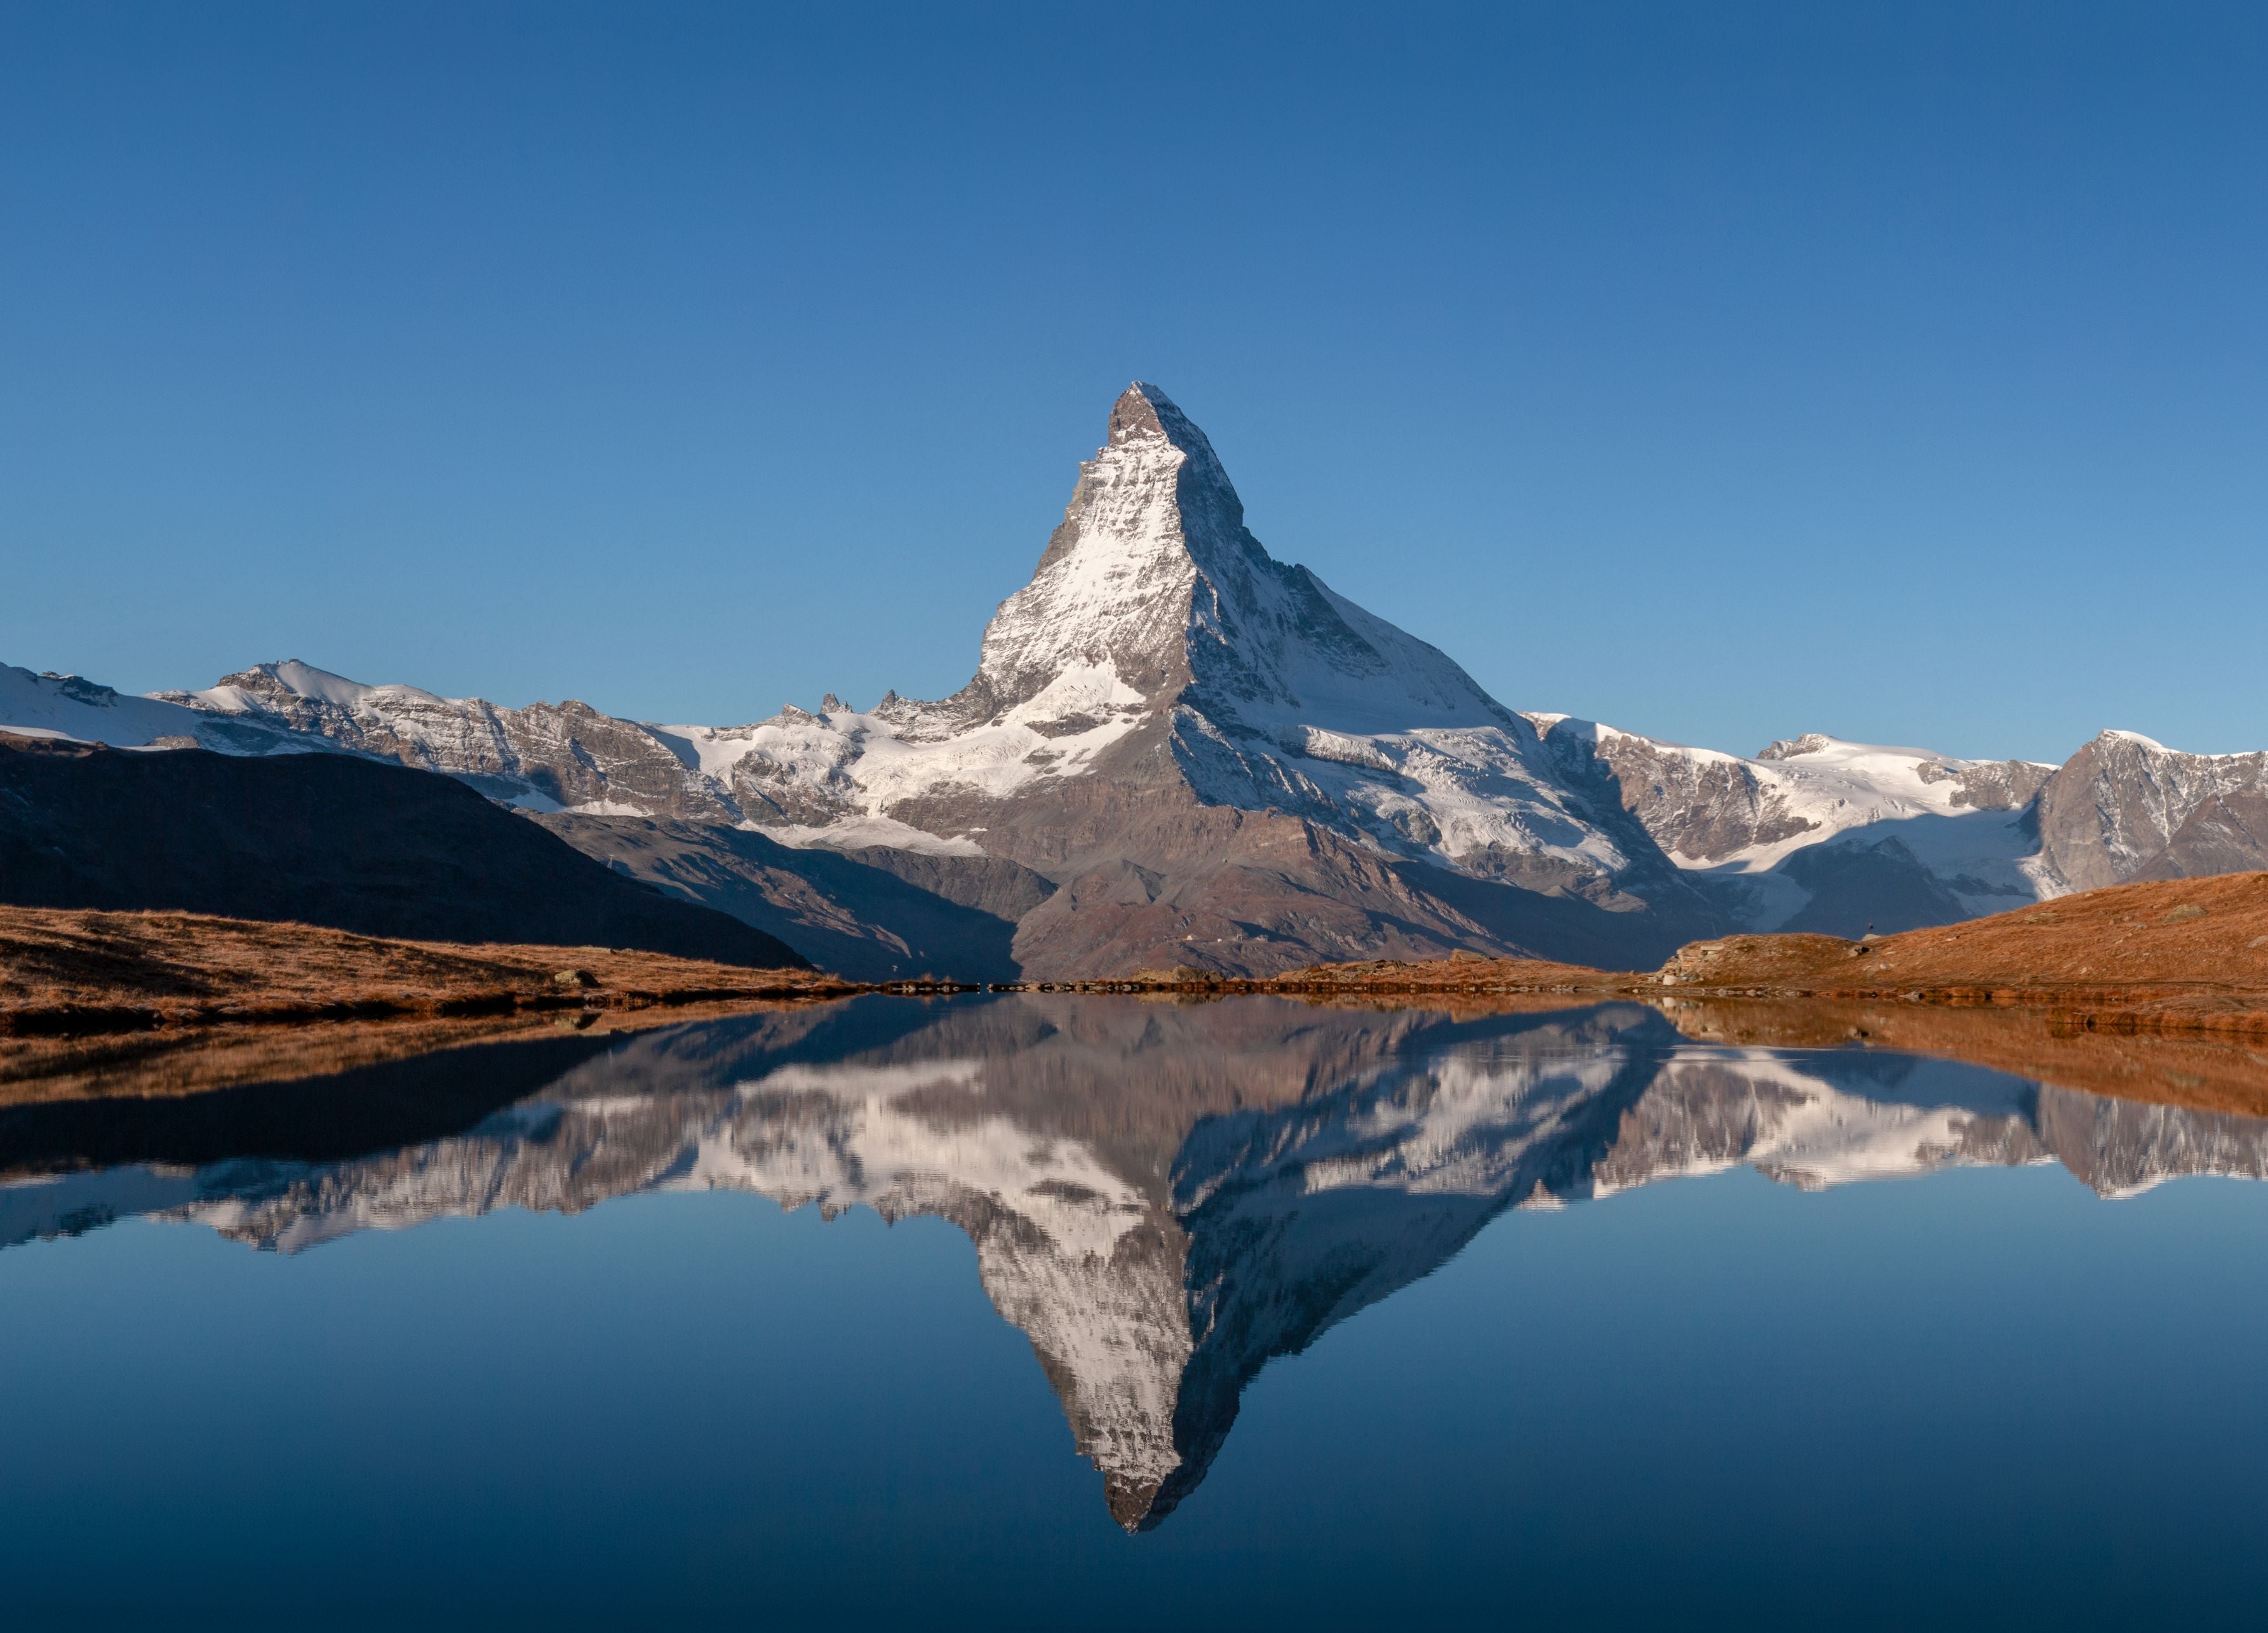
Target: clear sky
[{"x": 1724, "y": 372}]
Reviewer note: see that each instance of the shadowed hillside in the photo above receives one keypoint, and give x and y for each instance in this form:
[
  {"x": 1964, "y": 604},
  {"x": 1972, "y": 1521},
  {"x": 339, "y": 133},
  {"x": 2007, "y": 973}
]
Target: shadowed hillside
[{"x": 324, "y": 839}]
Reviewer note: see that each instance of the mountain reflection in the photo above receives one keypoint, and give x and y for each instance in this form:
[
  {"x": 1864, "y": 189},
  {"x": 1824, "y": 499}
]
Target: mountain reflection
[{"x": 1162, "y": 1196}]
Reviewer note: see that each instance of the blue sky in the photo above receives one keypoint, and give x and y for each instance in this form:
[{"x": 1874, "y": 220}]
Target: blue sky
[{"x": 1723, "y": 371}]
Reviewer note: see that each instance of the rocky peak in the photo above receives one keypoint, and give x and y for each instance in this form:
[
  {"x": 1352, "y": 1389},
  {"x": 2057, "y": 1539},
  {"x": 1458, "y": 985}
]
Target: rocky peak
[
  {"x": 1153, "y": 591},
  {"x": 1214, "y": 515},
  {"x": 79, "y": 689},
  {"x": 2117, "y": 805},
  {"x": 1113, "y": 592}
]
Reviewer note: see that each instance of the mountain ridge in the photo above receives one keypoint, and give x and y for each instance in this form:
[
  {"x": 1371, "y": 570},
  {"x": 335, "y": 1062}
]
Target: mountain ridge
[{"x": 331, "y": 839}]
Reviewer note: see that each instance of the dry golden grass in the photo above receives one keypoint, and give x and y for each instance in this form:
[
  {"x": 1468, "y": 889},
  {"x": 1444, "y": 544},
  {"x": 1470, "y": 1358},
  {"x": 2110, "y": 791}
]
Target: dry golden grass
[
  {"x": 2184, "y": 954},
  {"x": 84, "y": 971}
]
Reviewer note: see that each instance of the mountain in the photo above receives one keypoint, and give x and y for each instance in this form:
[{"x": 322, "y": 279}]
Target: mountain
[
  {"x": 2123, "y": 808},
  {"x": 1212, "y": 759},
  {"x": 877, "y": 914},
  {"x": 1816, "y": 834},
  {"x": 1163, "y": 1198},
  {"x": 326, "y": 840}
]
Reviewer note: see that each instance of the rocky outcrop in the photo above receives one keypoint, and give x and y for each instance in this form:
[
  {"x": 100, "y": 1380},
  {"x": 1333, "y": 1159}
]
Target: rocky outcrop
[
  {"x": 845, "y": 913},
  {"x": 2115, "y": 806},
  {"x": 2228, "y": 834},
  {"x": 546, "y": 754},
  {"x": 1992, "y": 786},
  {"x": 1706, "y": 806}
]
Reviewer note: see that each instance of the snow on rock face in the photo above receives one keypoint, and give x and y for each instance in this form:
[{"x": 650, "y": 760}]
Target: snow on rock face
[
  {"x": 1153, "y": 605},
  {"x": 1962, "y": 823},
  {"x": 2113, "y": 812},
  {"x": 547, "y": 756},
  {"x": 1116, "y": 588},
  {"x": 69, "y": 705},
  {"x": 1152, "y": 598},
  {"x": 1154, "y": 575}
]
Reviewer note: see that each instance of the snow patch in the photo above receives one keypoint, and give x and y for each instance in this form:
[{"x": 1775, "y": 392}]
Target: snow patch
[{"x": 858, "y": 832}]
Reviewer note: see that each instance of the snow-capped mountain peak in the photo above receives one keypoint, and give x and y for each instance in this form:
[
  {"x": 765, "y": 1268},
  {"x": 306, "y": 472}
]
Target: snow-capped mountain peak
[
  {"x": 272, "y": 682},
  {"x": 2114, "y": 734},
  {"x": 2125, "y": 807},
  {"x": 1153, "y": 579}
]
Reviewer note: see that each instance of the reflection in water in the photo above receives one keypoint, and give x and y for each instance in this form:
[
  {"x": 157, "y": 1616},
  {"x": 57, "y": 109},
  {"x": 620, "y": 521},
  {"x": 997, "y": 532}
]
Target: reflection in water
[{"x": 1162, "y": 1196}]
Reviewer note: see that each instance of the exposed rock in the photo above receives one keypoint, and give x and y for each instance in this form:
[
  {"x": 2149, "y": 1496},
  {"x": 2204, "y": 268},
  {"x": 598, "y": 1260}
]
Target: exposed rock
[
  {"x": 1994, "y": 785},
  {"x": 1793, "y": 747},
  {"x": 993, "y": 885},
  {"x": 2116, "y": 807},
  {"x": 2227, "y": 834},
  {"x": 841, "y": 912},
  {"x": 1706, "y": 808}
]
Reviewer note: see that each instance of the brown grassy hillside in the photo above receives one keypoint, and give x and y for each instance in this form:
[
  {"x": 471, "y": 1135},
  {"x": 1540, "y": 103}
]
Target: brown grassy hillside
[
  {"x": 62, "y": 969},
  {"x": 2201, "y": 940},
  {"x": 2190, "y": 952}
]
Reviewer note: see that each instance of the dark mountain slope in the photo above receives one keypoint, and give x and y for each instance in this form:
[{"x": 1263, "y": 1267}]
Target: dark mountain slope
[
  {"x": 323, "y": 839},
  {"x": 956, "y": 916},
  {"x": 1859, "y": 889},
  {"x": 2228, "y": 834}
]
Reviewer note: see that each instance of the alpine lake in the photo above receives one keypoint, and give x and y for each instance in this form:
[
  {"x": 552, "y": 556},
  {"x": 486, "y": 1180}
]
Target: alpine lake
[{"x": 1044, "y": 1310}]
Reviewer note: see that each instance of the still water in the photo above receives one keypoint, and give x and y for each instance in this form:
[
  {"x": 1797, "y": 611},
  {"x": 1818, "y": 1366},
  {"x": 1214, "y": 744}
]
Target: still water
[{"x": 1036, "y": 1311}]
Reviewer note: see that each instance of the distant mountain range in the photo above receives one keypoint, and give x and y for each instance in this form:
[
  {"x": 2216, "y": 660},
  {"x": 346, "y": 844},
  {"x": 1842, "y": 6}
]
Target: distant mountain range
[{"x": 1177, "y": 751}]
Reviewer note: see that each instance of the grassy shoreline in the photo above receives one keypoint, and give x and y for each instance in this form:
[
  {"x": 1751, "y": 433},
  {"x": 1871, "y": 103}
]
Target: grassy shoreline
[
  {"x": 2180, "y": 956},
  {"x": 65, "y": 971}
]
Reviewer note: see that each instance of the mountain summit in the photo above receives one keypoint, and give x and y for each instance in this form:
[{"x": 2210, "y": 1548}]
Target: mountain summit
[
  {"x": 1153, "y": 584},
  {"x": 1269, "y": 759}
]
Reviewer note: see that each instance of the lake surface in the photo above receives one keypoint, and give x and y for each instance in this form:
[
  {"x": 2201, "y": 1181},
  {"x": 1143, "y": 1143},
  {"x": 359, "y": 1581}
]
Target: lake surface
[{"x": 1046, "y": 1311}]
